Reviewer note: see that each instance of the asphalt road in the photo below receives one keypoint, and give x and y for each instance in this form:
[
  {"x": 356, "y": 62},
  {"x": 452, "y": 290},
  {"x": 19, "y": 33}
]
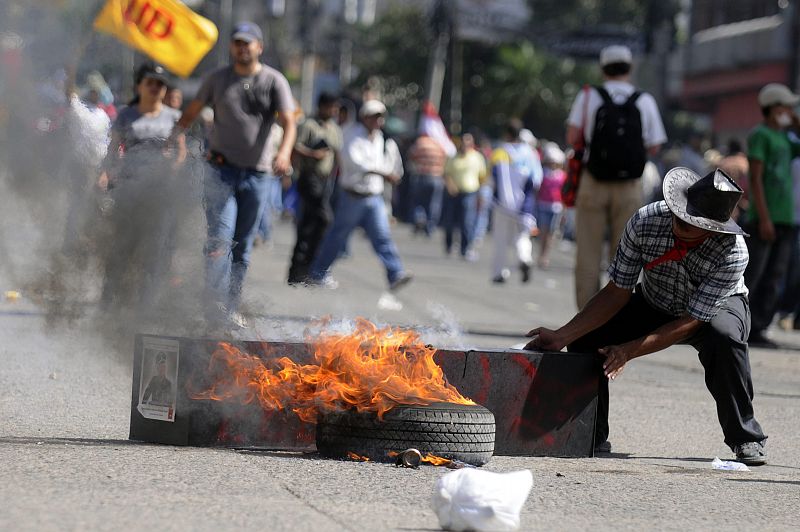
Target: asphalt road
[{"x": 65, "y": 462}]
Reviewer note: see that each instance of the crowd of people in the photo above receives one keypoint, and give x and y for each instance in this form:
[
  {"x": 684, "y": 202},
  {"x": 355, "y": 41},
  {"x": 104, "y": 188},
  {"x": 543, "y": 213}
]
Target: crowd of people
[
  {"x": 338, "y": 170},
  {"x": 679, "y": 267}
]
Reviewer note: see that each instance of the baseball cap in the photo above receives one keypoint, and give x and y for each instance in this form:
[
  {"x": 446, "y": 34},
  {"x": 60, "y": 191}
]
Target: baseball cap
[
  {"x": 777, "y": 94},
  {"x": 552, "y": 154},
  {"x": 371, "y": 108},
  {"x": 247, "y": 32},
  {"x": 615, "y": 54},
  {"x": 153, "y": 71}
]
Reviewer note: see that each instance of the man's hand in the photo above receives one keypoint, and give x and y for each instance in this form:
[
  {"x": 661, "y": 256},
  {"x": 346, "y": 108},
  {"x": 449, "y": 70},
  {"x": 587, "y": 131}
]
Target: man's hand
[
  {"x": 392, "y": 178},
  {"x": 766, "y": 230},
  {"x": 281, "y": 165},
  {"x": 320, "y": 153},
  {"x": 616, "y": 358},
  {"x": 546, "y": 339}
]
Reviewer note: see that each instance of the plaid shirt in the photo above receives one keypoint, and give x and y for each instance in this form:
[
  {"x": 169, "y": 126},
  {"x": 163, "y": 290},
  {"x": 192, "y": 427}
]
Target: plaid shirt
[{"x": 698, "y": 285}]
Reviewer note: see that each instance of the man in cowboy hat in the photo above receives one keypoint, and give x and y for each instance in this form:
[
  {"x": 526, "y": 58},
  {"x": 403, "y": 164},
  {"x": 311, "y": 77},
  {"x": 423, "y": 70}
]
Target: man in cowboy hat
[{"x": 693, "y": 257}]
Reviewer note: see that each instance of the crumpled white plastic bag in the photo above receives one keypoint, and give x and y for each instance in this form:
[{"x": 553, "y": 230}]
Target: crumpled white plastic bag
[
  {"x": 725, "y": 465},
  {"x": 471, "y": 499}
]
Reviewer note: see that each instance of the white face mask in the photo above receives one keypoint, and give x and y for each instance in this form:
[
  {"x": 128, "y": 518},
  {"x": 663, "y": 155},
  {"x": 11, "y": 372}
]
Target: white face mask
[{"x": 784, "y": 120}]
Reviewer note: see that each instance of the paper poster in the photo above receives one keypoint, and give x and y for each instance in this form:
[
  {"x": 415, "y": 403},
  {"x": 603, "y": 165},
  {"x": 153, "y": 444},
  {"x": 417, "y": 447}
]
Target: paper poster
[{"x": 159, "y": 378}]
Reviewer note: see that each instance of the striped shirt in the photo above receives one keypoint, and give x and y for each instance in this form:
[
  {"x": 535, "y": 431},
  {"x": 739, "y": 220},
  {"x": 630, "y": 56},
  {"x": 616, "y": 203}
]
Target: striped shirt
[
  {"x": 428, "y": 157},
  {"x": 698, "y": 285}
]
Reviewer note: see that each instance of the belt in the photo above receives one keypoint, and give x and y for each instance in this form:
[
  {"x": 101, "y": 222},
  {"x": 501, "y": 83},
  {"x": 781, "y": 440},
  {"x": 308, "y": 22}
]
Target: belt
[
  {"x": 356, "y": 194},
  {"x": 217, "y": 159}
]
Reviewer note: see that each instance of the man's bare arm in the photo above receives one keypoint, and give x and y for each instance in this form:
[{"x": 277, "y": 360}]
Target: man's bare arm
[
  {"x": 282, "y": 162},
  {"x": 190, "y": 114},
  {"x": 574, "y": 135},
  {"x": 601, "y": 308},
  {"x": 665, "y": 336}
]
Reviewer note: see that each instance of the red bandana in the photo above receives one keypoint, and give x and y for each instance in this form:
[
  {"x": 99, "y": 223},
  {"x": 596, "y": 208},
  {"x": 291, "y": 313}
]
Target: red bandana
[{"x": 676, "y": 253}]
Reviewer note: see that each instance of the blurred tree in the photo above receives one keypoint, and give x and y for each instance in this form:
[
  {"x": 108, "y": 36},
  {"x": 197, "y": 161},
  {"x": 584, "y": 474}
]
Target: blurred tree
[
  {"x": 571, "y": 15},
  {"x": 391, "y": 56},
  {"x": 522, "y": 81}
]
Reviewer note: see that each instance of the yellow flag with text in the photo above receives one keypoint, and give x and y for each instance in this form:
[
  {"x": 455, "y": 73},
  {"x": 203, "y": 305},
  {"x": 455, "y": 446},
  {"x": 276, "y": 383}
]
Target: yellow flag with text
[{"x": 166, "y": 30}]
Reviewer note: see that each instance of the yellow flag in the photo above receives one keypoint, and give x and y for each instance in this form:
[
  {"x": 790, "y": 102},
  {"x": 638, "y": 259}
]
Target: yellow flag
[{"x": 166, "y": 30}]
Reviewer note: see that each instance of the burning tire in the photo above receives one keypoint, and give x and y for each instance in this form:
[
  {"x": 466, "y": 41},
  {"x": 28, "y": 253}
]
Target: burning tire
[{"x": 449, "y": 430}]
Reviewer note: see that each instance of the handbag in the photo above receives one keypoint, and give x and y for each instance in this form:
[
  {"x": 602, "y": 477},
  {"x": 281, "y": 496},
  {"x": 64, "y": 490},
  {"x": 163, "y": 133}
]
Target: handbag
[{"x": 569, "y": 191}]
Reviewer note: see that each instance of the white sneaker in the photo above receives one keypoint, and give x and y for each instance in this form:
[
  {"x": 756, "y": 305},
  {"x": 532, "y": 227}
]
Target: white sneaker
[{"x": 238, "y": 320}]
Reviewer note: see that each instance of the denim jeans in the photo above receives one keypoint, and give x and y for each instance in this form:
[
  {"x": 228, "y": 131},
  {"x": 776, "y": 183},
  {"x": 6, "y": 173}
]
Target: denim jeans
[
  {"x": 234, "y": 201},
  {"x": 766, "y": 271},
  {"x": 482, "y": 216},
  {"x": 460, "y": 211},
  {"x": 428, "y": 195},
  {"x": 273, "y": 203},
  {"x": 353, "y": 211}
]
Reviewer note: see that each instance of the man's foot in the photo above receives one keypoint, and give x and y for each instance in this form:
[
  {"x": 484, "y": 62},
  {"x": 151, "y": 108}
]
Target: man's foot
[
  {"x": 526, "y": 272},
  {"x": 326, "y": 282},
  {"x": 471, "y": 256},
  {"x": 401, "y": 281},
  {"x": 786, "y": 323},
  {"x": 238, "y": 320},
  {"x": 501, "y": 278},
  {"x": 759, "y": 339},
  {"x": 603, "y": 447},
  {"x": 751, "y": 453}
]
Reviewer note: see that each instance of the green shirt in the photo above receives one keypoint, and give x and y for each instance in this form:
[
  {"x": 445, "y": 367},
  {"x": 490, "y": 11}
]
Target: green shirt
[
  {"x": 314, "y": 133},
  {"x": 774, "y": 149}
]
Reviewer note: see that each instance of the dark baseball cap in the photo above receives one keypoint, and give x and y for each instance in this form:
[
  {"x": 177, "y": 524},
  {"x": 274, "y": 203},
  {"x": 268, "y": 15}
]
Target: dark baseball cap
[
  {"x": 152, "y": 70},
  {"x": 247, "y": 32}
]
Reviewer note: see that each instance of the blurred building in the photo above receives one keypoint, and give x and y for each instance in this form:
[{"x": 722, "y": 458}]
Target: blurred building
[{"x": 734, "y": 48}]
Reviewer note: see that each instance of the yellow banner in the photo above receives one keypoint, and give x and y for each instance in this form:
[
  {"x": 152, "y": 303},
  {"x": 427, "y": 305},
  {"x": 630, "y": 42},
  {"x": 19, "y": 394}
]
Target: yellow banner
[{"x": 166, "y": 30}]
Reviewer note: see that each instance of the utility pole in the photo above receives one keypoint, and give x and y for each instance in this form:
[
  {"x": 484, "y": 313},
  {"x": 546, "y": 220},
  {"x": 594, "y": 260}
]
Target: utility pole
[
  {"x": 437, "y": 64},
  {"x": 225, "y": 25}
]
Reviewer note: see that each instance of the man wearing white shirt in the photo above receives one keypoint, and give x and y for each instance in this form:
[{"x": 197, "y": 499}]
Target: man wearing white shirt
[
  {"x": 368, "y": 159},
  {"x": 610, "y": 188}
]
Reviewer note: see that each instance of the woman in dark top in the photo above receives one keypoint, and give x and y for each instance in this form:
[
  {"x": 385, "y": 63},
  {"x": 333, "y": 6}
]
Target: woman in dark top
[{"x": 149, "y": 192}]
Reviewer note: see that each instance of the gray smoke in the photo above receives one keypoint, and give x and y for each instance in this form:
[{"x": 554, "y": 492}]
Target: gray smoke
[{"x": 112, "y": 263}]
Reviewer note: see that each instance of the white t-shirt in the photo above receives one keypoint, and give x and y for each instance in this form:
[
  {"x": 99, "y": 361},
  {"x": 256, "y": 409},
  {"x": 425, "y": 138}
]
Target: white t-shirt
[{"x": 652, "y": 127}]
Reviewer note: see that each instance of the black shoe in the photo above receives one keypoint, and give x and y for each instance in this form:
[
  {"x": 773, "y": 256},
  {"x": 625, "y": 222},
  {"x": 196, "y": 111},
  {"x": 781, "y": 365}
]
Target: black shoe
[
  {"x": 759, "y": 339},
  {"x": 401, "y": 281},
  {"x": 603, "y": 447},
  {"x": 751, "y": 453},
  {"x": 499, "y": 280},
  {"x": 526, "y": 272}
]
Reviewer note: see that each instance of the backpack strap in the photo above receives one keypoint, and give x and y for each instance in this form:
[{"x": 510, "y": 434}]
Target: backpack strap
[
  {"x": 604, "y": 95},
  {"x": 633, "y": 97}
]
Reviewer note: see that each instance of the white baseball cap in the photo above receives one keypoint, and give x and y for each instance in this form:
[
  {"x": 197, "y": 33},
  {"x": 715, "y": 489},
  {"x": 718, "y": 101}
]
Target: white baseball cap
[
  {"x": 371, "y": 108},
  {"x": 777, "y": 94},
  {"x": 615, "y": 54},
  {"x": 553, "y": 154}
]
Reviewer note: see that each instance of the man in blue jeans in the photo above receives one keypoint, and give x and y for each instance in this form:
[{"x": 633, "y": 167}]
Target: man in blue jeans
[
  {"x": 247, "y": 97},
  {"x": 368, "y": 159}
]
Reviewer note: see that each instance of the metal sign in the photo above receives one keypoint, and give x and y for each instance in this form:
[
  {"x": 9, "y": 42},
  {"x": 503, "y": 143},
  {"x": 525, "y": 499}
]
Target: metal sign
[{"x": 490, "y": 21}]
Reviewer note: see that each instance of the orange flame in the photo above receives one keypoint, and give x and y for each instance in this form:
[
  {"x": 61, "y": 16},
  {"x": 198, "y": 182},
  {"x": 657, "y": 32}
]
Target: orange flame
[
  {"x": 369, "y": 370},
  {"x": 357, "y": 457},
  {"x": 436, "y": 460}
]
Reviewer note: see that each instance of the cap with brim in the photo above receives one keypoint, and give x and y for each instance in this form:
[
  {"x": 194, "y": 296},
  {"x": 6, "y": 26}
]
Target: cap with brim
[
  {"x": 777, "y": 94},
  {"x": 372, "y": 108},
  {"x": 247, "y": 32},
  {"x": 705, "y": 202},
  {"x": 156, "y": 72},
  {"x": 615, "y": 54}
]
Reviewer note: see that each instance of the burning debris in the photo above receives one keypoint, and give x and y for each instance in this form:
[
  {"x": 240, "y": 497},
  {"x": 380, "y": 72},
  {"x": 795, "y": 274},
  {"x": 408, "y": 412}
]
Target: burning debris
[
  {"x": 371, "y": 391},
  {"x": 370, "y": 370}
]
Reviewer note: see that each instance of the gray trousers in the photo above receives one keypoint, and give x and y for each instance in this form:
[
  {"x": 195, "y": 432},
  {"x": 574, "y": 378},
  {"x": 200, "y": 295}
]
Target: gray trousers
[{"x": 721, "y": 346}]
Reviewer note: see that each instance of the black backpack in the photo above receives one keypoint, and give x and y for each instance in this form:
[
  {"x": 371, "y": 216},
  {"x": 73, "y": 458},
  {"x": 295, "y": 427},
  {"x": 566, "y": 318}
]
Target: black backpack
[{"x": 617, "y": 151}]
